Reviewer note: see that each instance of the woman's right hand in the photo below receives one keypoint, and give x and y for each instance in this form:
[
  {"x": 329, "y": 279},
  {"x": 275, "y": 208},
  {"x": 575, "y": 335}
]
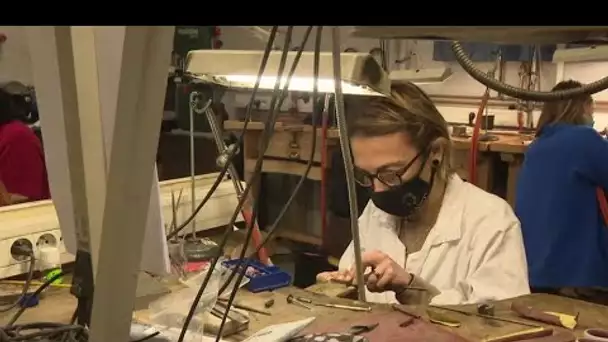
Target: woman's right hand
[{"x": 340, "y": 276}]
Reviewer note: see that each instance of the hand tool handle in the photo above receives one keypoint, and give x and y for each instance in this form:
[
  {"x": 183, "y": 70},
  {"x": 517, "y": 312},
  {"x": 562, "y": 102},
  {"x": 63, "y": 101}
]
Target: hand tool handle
[{"x": 256, "y": 237}]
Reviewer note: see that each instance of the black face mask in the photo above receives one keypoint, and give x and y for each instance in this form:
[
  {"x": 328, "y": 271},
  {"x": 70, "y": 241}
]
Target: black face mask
[{"x": 404, "y": 200}]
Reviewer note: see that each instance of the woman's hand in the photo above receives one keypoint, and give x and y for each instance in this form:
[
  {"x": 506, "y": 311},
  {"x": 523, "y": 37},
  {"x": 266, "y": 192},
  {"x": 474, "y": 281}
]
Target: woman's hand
[
  {"x": 385, "y": 275},
  {"x": 340, "y": 276}
]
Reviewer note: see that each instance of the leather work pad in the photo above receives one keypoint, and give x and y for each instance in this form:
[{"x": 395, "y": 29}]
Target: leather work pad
[{"x": 388, "y": 330}]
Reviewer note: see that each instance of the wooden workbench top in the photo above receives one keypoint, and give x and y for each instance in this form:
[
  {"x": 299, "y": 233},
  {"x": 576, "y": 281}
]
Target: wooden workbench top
[
  {"x": 58, "y": 306},
  {"x": 508, "y": 142}
]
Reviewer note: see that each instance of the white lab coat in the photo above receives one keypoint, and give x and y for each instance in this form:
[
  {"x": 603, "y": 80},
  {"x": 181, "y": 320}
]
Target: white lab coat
[{"x": 473, "y": 254}]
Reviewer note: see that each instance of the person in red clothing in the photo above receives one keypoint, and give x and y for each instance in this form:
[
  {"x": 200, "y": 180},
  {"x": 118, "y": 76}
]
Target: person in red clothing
[{"x": 23, "y": 176}]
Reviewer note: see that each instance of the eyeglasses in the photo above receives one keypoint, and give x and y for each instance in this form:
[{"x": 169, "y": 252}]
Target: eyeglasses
[{"x": 390, "y": 178}]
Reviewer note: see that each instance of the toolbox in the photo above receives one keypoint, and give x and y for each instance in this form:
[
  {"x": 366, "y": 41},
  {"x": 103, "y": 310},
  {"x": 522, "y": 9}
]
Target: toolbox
[{"x": 261, "y": 277}]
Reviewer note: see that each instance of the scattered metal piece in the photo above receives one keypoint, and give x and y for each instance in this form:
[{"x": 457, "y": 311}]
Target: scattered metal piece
[
  {"x": 292, "y": 300},
  {"x": 335, "y": 306},
  {"x": 345, "y": 307},
  {"x": 269, "y": 303},
  {"x": 485, "y": 309},
  {"x": 360, "y": 329},
  {"x": 222, "y": 303},
  {"x": 496, "y": 318}
]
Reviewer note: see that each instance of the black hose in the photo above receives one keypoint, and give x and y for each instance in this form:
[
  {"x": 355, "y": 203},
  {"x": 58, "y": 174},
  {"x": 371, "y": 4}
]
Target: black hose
[
  {"x": 523, "y": 94},
  {"x": 275, "y": 107},
  {"x": 224, "y": 241},
  {"x": 283, "y": 211},
  {"x": 26, "y": 286}
]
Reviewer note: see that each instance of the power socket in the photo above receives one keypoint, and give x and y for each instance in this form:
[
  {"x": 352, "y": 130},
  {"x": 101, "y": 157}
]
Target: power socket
[{"x": 37, "y": 222}]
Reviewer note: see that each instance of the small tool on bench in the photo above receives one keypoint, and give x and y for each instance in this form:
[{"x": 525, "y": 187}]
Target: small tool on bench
[
  {"x": 554, "y": 318},
  {"x": 495, "y": 318},
  {"x": 411, "y": 316},
  {"x": 335, "y": 306},
  {"x": 361, "y": 329},
  {"x": 293, "y": 300},
  {"x": 269, "y": 303},
  {"x": 222, "y": 302},
  {"x": 524, "y": 335}
]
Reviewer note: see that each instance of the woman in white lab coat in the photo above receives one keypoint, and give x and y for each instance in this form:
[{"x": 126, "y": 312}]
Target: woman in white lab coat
[{"x": 426, "y": 235}]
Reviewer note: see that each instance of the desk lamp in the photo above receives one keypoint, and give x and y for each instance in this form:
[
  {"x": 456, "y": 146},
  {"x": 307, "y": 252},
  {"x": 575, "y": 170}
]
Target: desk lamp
[{"x": 357, "y": 74}]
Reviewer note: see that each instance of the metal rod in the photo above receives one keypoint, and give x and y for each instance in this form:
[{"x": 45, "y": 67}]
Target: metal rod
[
  {"x": 221, "y": 148},
  {"x": 348, "y": 163},
  {"x": 193, "y": 102}
]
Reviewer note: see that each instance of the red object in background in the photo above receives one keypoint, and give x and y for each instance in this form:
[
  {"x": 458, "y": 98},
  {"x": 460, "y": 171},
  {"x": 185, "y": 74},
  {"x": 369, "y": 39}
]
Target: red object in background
[
  {"x": 475, "y": 138},
  {"x": 603, "y": 204},
  {"x": 22, "y": 169},
  {"x": 217, "y": 31},
  {"x": 3, "y": 37},
  {"x": 217, "y": 44}
]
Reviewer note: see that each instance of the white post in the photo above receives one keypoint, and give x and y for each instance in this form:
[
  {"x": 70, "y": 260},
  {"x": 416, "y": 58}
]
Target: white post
[
  {"x": 55, "y": 81},
  {"x": 145, "y": 61},
  {"x": 560, "y": 69}
]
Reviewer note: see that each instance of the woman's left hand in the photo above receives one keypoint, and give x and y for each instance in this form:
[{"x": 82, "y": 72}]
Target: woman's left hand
[{"x": 386, "y": 274}]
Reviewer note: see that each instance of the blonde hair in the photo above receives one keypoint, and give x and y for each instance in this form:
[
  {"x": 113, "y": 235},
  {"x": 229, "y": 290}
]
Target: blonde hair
[
  {"x": 571, "y": 111},
  {"x": 408, "y": 110}
]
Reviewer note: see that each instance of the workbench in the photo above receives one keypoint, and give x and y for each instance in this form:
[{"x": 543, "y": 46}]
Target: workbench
[
  {"x": 58, "y": 306},
  {"x": 290, "y": 148},
  {"x": 511, "y": 149},
  {"x": 291, "y": 145}
]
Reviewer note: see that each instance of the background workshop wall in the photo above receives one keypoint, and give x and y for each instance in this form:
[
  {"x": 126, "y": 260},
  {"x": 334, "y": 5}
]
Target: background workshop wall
[
  {"x": 460, "y": 86},
  {"x": 15, "y": 65}
]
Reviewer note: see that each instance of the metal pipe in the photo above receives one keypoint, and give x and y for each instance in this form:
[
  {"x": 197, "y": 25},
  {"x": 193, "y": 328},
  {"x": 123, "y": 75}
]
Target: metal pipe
[
  {"x": 222, "y": 148},
  {"x": 348, "y": 163},
  {"x": 192, "y": 160}
]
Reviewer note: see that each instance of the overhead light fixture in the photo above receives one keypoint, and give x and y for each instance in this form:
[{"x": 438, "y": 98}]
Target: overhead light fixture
[
  {"x": 487, "y": 34},
  {"x": 584, "y": 54},
  {"x": 361, "y": 73},
  {"x": 420, "y": 76}
]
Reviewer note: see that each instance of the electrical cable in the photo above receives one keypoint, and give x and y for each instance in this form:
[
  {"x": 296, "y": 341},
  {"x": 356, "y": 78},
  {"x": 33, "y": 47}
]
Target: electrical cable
[
  {"x": 231, "y": 156},
  {"x": 222, "y": 244},
  {"x": 26, "y": 286},
  {"x": 42, "y": 331},
  {"x": 243, "y": 268},
  {"x": 273, "y": 228},
  {"x": 206, "y": 199},
  {"x": 36, "y": 293},
  {"x": 48, "y": 331},
  {"x": 541, "y": 96},
  {"x": 323, "y": 199},
  {"x": 278, "y": 96},
  {"x": 147, "y": 338}
]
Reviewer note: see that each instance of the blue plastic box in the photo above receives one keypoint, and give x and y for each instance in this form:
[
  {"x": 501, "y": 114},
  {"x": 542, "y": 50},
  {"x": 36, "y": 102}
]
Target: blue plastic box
[{"x": 268, "y": 278}]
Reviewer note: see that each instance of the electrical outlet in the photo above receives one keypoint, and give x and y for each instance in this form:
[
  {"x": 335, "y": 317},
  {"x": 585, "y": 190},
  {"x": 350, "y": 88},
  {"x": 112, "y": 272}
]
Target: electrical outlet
[{"x": 37, "y": 222}]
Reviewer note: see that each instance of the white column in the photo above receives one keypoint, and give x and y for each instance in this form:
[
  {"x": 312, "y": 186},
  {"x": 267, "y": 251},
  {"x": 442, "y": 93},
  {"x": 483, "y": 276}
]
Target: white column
[
  {"x": 55, "y": 81},
  {"x": 141, "y": 89},
  {"x": 69, "y": 100}
]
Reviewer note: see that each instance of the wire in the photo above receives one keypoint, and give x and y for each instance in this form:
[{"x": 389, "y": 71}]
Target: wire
[
  {"x": 35, "y": 294},
  {"x": 222, "y": 244},
  {"x": 276, "y": 102},
  {"x": 206, "y": 199},
  {"x": 275, "y": 224},
  {"x": 147, "y": 338},
  {"x": 231, "y": 156},
  {"x": 243, "y": 268},
  {"x": 42, "y": 331},
  {"x": 26, "y": 286},
  {"x": 347, "y": 158}
]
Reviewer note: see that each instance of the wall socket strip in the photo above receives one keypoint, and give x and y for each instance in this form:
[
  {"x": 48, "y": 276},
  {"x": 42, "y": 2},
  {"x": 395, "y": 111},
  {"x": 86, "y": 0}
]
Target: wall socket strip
[{"x": 37, "y": 221}]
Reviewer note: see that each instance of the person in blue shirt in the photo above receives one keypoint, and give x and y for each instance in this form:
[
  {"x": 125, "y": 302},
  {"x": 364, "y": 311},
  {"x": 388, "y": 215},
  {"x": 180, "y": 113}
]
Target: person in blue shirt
[{"x": 564, "y": 233}]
